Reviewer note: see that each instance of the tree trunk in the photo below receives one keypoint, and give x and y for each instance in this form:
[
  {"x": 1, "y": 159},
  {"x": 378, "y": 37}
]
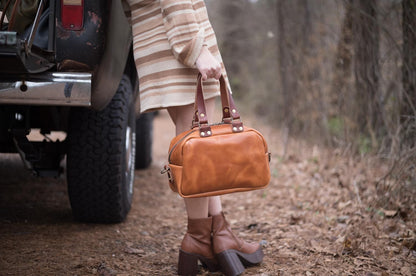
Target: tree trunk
[
  {"x": 366, "y": 68},
  {"x": 408, "y": 107},
  {"x": 282, "y": 58},
  {"x": 236, "y": 44},
  {"x": 343, "y": 75},
  {"x": 286, "y": 41}
]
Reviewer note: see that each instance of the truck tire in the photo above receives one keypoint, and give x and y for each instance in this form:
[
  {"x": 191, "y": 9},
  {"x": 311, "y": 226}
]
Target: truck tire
[
  {"x": 144, "y": 140},
  {"x": 101, "y": 156}
]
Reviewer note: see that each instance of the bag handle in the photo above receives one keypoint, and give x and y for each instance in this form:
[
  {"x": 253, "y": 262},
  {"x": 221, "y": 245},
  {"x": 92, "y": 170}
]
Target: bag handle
[{"x": 229, "y": 111}]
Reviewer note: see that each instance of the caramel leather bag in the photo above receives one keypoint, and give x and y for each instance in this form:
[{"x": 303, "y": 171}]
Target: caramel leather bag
[{"x": 217, "y": 159}]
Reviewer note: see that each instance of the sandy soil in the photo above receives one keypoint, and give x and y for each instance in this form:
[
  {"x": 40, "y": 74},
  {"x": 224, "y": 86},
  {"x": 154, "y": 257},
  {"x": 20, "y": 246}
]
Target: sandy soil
[{"x": 317, "y": 217}]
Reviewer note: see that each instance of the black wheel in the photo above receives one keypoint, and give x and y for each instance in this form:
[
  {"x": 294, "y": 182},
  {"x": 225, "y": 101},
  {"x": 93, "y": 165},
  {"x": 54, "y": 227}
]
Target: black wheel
[
  {"x": 101, "y": 156},
  {"x": 144, "y": 139}
]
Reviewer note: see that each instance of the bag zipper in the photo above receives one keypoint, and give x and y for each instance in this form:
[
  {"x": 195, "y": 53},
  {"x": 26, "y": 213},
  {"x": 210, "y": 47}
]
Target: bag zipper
[
  {"x": 176, "y": 144},
  {"x": 195, "y": 129}
]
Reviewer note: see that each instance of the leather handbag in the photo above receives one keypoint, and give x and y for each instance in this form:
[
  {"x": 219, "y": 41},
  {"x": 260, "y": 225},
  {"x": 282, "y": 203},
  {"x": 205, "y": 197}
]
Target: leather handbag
[{"x": 216, "y": 159}]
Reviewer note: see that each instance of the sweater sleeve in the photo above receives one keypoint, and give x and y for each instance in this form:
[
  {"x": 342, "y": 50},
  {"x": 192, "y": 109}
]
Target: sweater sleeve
[{"x": 185, "y": 35}]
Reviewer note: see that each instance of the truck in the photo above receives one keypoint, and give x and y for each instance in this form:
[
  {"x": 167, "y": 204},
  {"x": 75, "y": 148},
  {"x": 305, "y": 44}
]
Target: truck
[{"x": 72, "y": 71}]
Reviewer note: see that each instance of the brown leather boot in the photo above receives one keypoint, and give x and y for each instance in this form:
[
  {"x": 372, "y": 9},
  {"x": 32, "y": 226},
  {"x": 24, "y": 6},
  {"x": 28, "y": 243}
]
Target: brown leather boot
[
  {"x": 197, "y": 245},
  {"x": 232, "y": 253}
]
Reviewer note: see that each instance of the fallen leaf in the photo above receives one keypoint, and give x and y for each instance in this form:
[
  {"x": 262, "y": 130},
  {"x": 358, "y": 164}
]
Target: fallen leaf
[
  {"x": 389, "y": 213},
  {"x": 131, "y": 250}
]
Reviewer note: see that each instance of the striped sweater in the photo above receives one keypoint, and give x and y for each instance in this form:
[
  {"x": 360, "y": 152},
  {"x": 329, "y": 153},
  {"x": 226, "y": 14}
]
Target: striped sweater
[{"x": 168, "y": 36}]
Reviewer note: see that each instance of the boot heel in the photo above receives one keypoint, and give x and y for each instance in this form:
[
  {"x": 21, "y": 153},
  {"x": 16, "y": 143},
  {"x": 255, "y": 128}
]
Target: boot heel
[
  {"x": 187, "y": 264},
  {"x": 230, "y": 263},
  {"x": 251, "y": 259}
]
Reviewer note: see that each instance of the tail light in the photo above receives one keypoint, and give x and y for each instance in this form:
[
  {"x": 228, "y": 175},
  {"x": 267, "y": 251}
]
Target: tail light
[{"x": 72, "y": 14}]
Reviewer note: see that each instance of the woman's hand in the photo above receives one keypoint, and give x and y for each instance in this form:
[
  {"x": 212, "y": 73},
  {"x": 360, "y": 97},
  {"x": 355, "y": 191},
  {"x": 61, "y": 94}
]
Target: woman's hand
[{"x": 208, "y": 65}]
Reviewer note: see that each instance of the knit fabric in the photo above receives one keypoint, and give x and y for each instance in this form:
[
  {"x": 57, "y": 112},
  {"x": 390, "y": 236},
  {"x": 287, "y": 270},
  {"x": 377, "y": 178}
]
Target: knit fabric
[{"x": 168, "y": 36}]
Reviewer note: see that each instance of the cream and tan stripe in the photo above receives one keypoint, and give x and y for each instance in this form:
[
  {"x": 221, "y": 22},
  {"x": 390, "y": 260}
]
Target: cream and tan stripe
[{"x": 168, "y": 36}]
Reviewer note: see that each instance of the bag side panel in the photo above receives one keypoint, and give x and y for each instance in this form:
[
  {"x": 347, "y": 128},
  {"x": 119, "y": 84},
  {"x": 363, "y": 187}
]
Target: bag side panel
[{"x": 176, "y": 174}]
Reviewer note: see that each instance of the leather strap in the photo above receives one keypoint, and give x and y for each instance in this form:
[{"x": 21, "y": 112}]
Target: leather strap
[
  {"x": 200, "y": 114},
  {"x": 229, "y": 111}
]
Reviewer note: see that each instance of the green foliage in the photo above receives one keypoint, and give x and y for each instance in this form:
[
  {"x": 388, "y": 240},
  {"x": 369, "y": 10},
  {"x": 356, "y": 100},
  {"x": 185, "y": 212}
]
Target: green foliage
[
  {"x": 336, "y": 126},
  {"x": 364, "y": 145},
  {"x": 275, "y": 172}
]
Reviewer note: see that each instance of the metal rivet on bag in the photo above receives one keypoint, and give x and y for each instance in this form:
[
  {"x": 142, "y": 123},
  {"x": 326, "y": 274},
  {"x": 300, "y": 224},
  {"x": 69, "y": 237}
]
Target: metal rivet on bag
[
  {"x": 209, "y": 132},
  {"x": 226, "y": 110},
  {"x": 234, "y": 128},
  {"x": 240, "y": 128},
  {"x": 202, "y": 133},
  {"x": 202, "y": 115},
  {"x": 234, "y": 111}
]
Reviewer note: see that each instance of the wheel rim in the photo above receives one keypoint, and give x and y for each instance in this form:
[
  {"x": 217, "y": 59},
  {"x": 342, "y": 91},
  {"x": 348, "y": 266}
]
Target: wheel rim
[{"x": 130, "y": 157}]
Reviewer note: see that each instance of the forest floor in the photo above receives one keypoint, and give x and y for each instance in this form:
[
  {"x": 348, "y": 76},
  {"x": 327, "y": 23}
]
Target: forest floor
[{"x": 320, "y": 215}]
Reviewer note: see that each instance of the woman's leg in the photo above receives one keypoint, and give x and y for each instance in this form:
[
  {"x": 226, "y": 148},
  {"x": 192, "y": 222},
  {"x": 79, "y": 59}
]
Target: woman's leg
[
  {"x": 196, "y": 243},
  {"x": 182, "y": 118},
  {"x": 214, "y": 205}
]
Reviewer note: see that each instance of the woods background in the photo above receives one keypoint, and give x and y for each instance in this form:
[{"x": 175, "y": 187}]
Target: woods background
[{"x": 341, "y": 73}]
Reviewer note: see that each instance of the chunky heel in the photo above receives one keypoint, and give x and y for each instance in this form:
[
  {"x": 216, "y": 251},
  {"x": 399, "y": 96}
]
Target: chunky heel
[
  {"x": 187, "y": 264},
  {"x": 251, "y": 259},
  {"x": 197, "y": 246},
  {"x": 230, "y": 263}
]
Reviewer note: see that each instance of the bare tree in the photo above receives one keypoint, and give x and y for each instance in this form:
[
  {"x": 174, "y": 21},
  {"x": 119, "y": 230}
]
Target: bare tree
[
  {"x": 293, "y": 33},
  {"x": 342, "y": 76},
  {"x": 236, "y": 44},
  {"x": 408, "y": 107},
  {"x": 283, "y": 58},
  {"x": 366, "y": 67}
]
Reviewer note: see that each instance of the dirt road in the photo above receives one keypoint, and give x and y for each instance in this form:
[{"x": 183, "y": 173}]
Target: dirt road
[{"x": 315, "y": 218}]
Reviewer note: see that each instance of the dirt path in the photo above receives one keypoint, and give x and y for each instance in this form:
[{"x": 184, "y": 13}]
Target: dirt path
[{"x": 315, "y": 218}]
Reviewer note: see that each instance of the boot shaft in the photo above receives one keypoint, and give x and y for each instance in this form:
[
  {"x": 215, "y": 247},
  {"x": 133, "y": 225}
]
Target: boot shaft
[{"x": 197, "y": 239}]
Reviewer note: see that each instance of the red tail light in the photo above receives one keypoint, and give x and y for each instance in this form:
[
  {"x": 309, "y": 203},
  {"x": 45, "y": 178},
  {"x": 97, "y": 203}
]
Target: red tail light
[{"x": 72, "y": 14}]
